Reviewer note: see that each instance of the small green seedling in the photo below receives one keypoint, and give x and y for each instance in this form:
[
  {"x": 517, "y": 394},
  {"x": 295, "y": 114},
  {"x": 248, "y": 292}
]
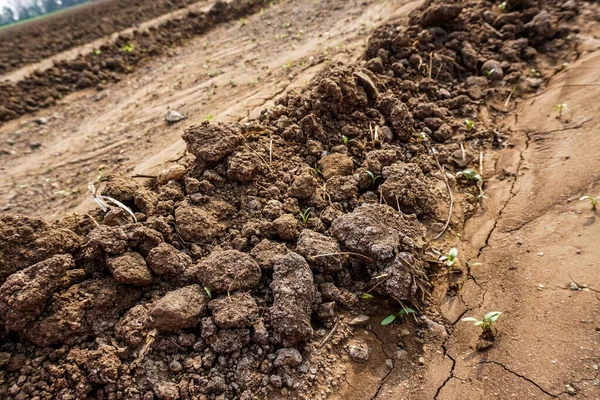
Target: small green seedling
[
  {"x": 451, "y": 258},
  {"x": 486, "y": 323},
  {"x": 535, "y": 73},
  {"x": 470, "y": 175},
  {"x": 469, "y": 123},
  {"x": 96, "y": 52},
  {"x": 502, "y": 6},
  {"x": 304, "y": 215},
  {"x": 243, "y": 21},
  {"x": 317, "y": 169},
  {"x": 422, "y": 137},
  {"x": 209, "y": 117},
  {"x": 346, "y": 140},
  {"x": 593, "y": 200},
  {"x": 367, "y": 296},
  {"x": 208, "y": 292},
  {"x": 489, "y": 73},
  {"x": 560, "y": 108},
  {"x": 128, "y": 48},
  {"x": 373, "y": 177},
  {"x": 392, "y": 318}
]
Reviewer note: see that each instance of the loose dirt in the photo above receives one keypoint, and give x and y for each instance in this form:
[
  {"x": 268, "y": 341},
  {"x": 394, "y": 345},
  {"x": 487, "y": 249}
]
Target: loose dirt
[{"x": 261, "y": 261}]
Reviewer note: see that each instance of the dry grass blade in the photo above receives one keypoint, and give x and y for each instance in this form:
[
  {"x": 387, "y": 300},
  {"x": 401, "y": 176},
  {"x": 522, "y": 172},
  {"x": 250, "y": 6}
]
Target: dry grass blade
[
  {"x": 328, "y": 335},
  {"x": 101, "y": 201},
  {"x": 449, "y": 194},
  {"x": 149, "y": 342},
  {"x": 343, "y": 253}
]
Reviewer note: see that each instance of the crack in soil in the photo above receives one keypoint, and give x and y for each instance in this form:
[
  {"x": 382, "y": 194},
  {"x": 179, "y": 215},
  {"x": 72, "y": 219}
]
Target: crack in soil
[
  {"x": 520, "y": 376},
  {"x": 382, "y": 381},
  {"x": 451, "y": 375},
  {"x": 512, "y": 194}
]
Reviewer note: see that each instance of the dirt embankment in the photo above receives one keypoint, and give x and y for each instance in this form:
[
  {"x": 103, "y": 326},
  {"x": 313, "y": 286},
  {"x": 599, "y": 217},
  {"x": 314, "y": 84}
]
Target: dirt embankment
[
  {"x": 29, "y": 43},
  {"x": 112, "y": 61},
  {"x": 249, "y": 260}
]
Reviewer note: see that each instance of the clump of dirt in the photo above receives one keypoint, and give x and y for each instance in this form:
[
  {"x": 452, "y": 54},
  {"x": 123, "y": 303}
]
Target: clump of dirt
[
  {"x": 257, "y": 248},
  {"x": 111, "y": 61}
]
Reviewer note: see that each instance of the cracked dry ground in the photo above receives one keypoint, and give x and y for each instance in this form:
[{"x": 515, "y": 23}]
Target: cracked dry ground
[{"x": 532, "y": 253}]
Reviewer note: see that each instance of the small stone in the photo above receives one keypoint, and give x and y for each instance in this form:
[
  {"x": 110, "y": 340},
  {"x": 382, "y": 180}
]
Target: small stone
[
  {"x": 438, "y": 329},
  {"x": 174, "y": 173},
  {"x": 174, "y": 116},
  {"x": 402, "y": 355},
  {"x": 359, "y": 320},
  {"x": 570, "y": 390},
  {"x": 41, "y": 121},
  {"x": 389, "y": 363},
  {"x": 358, "y": 350},
  {"x": 35, "y": 145},
  {"x": 14, "y": 389},
  {"x": 493, "y": 70},
  {"x": 288, "y": 356},
  {"x": 541, "y": 254},
  {"x": 445, "y": 94},
  {"x": 175, "y": 366},
  {"x": 534, "y": 83},
  {"x": 421, "y": 361},
  {"x": 574, "y": 286}
]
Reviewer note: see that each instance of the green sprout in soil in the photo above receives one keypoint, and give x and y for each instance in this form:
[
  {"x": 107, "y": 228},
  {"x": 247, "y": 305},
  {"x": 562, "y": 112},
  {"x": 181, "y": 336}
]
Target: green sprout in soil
[
  {"x": 450, "y": 258},
  {"x": 502, "y": 6},
  {"x": 593, "y": 200},
  {"x": 565, "y": 65},
  {"x": 392, "y": 318},
  {"x": 470, "y": 175},
  {"x": 287, "y": 66},
  {"x": 317, "y": 169},
  {"x": 209, "y": 117},
  {"x": 208, "y": 292},
  {"x": 560, "y": 108},
  {"x": 373, "y": 178},
  {"x": 469, "y": 123},
  {"x": 489, "y": 73},
  {"x": 96, "y": 52},
  {"x": 304, "y": 215},
  {"x": 243, "y": 21},
  {"x": 346, "y": 140},
  {"x": 366, "y": 296},
  {"x": 128, "y": 48},
  {"x": 486, "y": 323},
  {"x": 100, "y": 174},
  {"x": 535, "y": 73},
  {"x": 422, "y": 137}
]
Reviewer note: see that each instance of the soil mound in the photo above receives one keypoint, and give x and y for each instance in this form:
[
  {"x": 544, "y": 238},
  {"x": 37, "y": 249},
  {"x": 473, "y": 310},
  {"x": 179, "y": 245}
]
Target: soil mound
[{"x": 266, "y": 235}]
